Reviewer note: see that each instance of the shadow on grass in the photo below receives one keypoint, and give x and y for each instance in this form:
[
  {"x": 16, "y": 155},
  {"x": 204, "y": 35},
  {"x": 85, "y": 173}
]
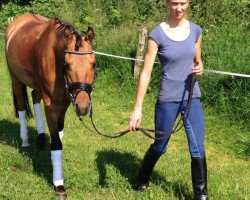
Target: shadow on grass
[
  {"x": 9, "y": 134},
  {"x": 128, "y": 166}
]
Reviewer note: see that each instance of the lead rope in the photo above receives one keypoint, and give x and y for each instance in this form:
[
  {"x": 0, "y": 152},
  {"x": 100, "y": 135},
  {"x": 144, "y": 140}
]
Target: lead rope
[{"x": 146, "y": 131}]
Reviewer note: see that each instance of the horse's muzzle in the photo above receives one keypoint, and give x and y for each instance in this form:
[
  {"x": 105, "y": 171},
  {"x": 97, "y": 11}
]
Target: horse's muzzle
[{"x": 82, "y": 110}]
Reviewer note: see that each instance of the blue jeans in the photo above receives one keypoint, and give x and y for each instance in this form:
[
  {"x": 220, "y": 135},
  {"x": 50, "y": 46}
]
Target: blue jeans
[{"x": 165, "y": 117}]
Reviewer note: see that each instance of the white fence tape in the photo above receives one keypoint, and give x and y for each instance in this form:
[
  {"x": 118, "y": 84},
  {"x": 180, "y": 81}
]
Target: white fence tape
[
  {"x": 140, "y": 60},
  {"x": 114, "y": 56},
  {"x": 208, "y": 70},
  {"x": 227, "y": 73}
]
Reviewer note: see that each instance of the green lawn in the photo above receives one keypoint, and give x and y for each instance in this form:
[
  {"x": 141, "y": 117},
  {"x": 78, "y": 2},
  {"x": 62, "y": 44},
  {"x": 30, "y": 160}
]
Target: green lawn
[{"x": 100, "y": 168}]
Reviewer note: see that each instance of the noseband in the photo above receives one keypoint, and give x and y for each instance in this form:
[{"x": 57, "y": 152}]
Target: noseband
[{"x": 80, "y": 86}]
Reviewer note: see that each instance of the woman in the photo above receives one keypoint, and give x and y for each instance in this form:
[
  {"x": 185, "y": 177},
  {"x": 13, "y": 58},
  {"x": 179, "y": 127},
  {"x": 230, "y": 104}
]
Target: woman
[{"x": 177, "y": 42}]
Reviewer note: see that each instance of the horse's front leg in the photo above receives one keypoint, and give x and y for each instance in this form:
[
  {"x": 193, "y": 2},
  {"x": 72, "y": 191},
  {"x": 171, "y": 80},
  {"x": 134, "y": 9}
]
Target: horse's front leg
[
  {"x": 61, "y": 116},
  {"x": 56, "y": 149}
]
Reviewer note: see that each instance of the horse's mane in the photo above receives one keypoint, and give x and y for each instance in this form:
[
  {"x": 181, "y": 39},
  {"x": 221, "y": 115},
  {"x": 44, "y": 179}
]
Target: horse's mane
[{"x": 61, "y": 30}]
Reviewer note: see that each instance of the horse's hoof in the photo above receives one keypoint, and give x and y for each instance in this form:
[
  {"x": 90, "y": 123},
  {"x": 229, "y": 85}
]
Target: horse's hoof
[
  {"x": 60, "y": 191},
  {"x": 41, "y": 141},
  {"x": 140, "y": 187}
]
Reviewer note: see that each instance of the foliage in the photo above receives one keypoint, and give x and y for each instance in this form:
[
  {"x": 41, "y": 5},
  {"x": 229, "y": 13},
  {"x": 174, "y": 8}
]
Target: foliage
[
  {"x": 49, "y": 8},
  {"x": 12, "y": 9},
  {"x": 221, "y": 13}
]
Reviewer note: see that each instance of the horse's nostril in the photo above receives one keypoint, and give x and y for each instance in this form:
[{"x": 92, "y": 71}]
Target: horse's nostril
[
  {"x": 82, "y": 111},
  {"x": 77, "y": 109}
]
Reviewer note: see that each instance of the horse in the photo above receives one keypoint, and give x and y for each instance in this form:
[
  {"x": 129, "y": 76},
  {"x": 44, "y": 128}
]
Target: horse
[{"x": 58, "y": 64}]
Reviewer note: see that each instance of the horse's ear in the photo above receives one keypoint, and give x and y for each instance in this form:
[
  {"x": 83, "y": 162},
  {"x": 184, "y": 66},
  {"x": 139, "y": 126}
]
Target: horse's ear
[
  {"x": 89, "y": 35},
  {"x": 67, "y": 35}
]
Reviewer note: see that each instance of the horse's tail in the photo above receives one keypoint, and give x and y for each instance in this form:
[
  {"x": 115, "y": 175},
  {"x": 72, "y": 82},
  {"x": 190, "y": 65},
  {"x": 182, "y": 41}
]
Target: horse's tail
[{"x": 26, "y": 101}]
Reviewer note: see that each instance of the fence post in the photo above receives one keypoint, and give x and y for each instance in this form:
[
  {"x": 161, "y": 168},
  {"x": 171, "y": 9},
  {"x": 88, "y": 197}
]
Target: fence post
[{"x": 140, "y": 50}]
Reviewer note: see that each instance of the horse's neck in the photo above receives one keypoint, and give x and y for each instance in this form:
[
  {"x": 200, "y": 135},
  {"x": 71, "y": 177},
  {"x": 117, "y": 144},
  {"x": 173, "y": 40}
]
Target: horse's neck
[
  {"x": 51, "y": 48},
  {"x": 54, "y": 43}
]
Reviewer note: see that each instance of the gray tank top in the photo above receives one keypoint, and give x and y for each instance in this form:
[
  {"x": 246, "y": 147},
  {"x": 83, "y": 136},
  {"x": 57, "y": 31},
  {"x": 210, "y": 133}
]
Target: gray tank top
[{"x": 177, "y": 60}]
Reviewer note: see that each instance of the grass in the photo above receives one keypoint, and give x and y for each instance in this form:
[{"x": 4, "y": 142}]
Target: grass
[{"x": 99, "y": 168}]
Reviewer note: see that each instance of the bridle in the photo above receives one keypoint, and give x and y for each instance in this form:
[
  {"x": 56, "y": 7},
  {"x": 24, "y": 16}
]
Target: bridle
[{"x": 80, "y": 86}]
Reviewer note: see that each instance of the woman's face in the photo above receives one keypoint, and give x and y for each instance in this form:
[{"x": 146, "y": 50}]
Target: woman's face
[{"x": 177, "y": 8}]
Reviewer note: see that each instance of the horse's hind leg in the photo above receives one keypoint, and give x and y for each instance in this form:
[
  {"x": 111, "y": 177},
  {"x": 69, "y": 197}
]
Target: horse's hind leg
[
  {"x": 20, "y": 101},
  {"x": 40, "y": 126}
]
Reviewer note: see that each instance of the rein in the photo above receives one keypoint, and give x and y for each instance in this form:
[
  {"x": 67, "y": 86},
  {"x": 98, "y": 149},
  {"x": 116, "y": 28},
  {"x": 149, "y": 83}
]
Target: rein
[{"x": 146, "y": 131}]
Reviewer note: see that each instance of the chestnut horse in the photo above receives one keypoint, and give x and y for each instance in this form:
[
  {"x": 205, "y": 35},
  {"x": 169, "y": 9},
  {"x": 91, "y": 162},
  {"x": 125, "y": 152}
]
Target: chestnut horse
[{"x": 49, "y": 56}]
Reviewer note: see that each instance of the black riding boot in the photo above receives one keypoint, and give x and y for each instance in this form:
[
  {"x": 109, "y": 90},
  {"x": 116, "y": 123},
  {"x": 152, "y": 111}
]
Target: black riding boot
[
  {"x": 199, "y": 178},
  {"x": 146, "y": 169}
]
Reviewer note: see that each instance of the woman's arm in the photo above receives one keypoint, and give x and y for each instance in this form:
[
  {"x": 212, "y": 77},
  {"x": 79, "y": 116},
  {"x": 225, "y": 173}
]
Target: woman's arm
[
  {"x": 135, "y": 117},
  {"x": 198, "y": 70}
]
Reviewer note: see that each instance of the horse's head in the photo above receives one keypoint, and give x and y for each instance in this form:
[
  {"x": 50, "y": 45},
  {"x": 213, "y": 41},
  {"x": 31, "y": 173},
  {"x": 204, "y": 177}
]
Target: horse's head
[{"x": 79, "y": 69}]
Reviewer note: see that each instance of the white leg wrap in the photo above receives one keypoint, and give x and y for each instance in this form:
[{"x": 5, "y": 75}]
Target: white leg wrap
[
  {"x": 23, "y": 128},
  {"x": 61, "y": 134},
  {"x": 56, "y": 157},
  {"x": 39, "y": 118}
]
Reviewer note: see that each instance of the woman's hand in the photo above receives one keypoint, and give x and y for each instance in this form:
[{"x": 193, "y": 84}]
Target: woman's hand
[
  {"x": 135, "y": 119},
  {"x": 198, "y": 69}
]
